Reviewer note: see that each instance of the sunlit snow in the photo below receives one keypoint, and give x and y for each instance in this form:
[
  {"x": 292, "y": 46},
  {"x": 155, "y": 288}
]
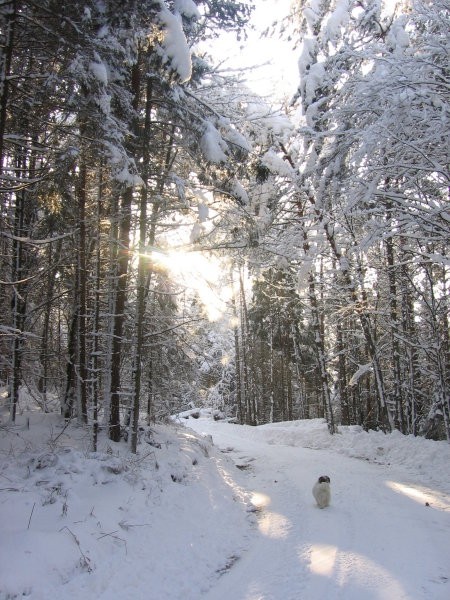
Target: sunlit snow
[{"x": 235, "y": 520}]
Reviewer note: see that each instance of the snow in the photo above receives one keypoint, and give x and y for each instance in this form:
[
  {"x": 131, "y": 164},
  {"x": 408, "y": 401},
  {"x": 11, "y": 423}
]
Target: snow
[
  {"x": 308, "y": 51},
  {"x": 233, "y": 136},
  {"x": 203, "y": 212},
  {"x": 397, "y": 37},
  {"x": 276, "y": 164},
  {"x": 314, "y": 80},
  {"x": 196, "y": 232},
  {"x": 311, "y": 15},
  {"x": 336, "y": 21},
  {"x": 212, "y": 145},
  {"x": 360, "y": 372},
  {"x": 238, "y": 192},
  {"x": 175, "y": 49},
  {"x": 186, "y": 518},
  {"x": 187, "y": 8},
  {"x": 98, "y": 70}
]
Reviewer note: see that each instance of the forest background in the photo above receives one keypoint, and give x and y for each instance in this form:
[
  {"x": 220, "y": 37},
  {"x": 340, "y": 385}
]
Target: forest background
[{"x": 170, "y": 239}]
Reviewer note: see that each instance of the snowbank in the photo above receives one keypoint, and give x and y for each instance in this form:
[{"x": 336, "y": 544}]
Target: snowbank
[
  {"x": 430, "y": 458},
  {"x": 76, "y": 524}
]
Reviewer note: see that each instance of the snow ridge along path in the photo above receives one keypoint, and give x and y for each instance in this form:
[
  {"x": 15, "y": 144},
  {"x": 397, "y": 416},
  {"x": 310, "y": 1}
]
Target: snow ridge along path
[{"x": 386, "y": 535}]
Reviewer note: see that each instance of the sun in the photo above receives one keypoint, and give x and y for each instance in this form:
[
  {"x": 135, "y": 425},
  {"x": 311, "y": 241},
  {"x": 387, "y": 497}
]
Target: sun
[{"x": 200, "y": 273}]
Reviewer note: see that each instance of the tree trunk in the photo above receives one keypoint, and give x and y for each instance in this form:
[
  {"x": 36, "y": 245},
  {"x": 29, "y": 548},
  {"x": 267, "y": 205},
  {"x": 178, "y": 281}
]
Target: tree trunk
[
  {"x": 8, "y": 17},
  {"x": 18, "y": 276},
  {"x": 52, "y": 267},
  {"x": 94, "y": 360},
  {"x": 69, "y": 395},
  {"x": 121, "y": 291},
  {"x": 240, "y": 395},
  {"x": 82, "y": 383},
  {"x": 319, "y": 347},
  {"x": 394, "y": 330},
  {"x": 119, "y": 314}
]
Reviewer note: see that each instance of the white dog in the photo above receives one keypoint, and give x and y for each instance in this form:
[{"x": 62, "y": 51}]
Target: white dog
[{"x": 321, "y": 491}]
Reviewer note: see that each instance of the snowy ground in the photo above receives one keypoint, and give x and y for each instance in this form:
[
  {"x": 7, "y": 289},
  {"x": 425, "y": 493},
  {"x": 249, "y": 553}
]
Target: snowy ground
[{"x": 188, "y": 520}]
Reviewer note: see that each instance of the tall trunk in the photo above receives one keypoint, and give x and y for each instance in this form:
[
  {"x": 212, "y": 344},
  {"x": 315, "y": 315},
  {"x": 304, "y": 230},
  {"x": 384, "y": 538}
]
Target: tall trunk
[
  {"x": 121, "y": 291},
  {"x": 24, "y": 215},
  {"x": 140, "y": 319},
  {"x": 342, "y": 376},
  {"x": 446, "y": 347},
  {"x": 302, "y": 413},
  {"x": 394, "y": 329},
  {"x": 141, "y": 277},
  {"x": 271, "y": 371},
  {"x": 119, "y": 313},
  {"x": 8, "y": 16},
  {"x": 82, "y": 293},
  {"x": 439, "y": 353},
  {"x": 69, "y": 394},
  {"x": 319, "y": 347},
  {"x": 156, "y": 205},
  {"x": 289, "y": 395},
  {"x": 113, "y": 210},
  {"x": 53, "y": 261},
  {"x": 240, "y": 396},
  {"x": 18, "y": 301},
  {"x": 413, "y": 408},
  {"x": 250, "y": 408},
  {"x": 94, "y": 360}
]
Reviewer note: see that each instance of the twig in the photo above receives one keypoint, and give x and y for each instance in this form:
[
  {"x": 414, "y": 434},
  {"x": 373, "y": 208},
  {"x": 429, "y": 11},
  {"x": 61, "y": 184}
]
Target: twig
[
  {"x": 86, "y": 561},
  {"x": 127, "y": 526},
  {"x": 116, "y": 537},
  {"x": 106, "y": 534},
  {"x": 53, "y": 442},
  {"x": 32, "y": 510}
]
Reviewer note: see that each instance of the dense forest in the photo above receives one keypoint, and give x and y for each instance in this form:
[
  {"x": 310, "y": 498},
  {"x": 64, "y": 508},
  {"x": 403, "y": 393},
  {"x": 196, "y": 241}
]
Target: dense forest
[{"x": 123, "y": 143}]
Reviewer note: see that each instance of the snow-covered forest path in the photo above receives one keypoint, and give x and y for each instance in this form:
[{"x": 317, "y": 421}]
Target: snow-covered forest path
[{"x": 384, "y": 537}]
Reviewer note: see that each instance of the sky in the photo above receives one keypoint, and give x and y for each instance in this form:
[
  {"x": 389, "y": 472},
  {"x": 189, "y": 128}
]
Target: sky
[
  {"x": 208, "y": 510},
  {"x": 205, "y": 275},
  {"x": 276, "y": 75}
]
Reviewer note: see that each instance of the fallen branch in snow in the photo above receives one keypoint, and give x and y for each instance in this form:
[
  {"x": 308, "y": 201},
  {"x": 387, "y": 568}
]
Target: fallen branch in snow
[
  {"x": 126, "y": 526},
  {"x": 231, "y": 561},
  {"x": 85, "y": 562},
  {"x": 107, "y": 534},
  {"x": 32, "y": 510},
  {"x": 53, "y": 441}
]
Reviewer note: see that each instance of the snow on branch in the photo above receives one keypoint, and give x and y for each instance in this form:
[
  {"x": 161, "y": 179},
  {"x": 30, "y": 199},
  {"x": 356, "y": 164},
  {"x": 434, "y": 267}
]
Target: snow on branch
[
  {"x": 276, "y": 164},
  {"x": 187, "y": 8},
  {"x": 99, "y": 71},
  {"x": 362, "y": 370},
  {"x": 335, "y": 23},
  {"x": 212, "y": 145},
  {"x": 174, "y": 47},
  {"x": 35, "y": 242}
]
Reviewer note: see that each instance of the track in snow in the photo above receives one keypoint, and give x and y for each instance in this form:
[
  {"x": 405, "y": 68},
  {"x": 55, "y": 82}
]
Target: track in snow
[{"x": 377, "y": 541}]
